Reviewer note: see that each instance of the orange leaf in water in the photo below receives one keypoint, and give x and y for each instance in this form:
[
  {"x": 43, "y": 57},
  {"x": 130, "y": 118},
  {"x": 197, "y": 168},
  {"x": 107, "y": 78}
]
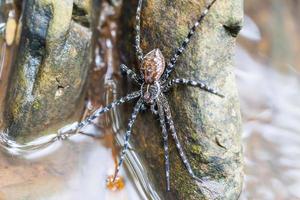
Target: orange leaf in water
[{"x": 112, "y": 185}]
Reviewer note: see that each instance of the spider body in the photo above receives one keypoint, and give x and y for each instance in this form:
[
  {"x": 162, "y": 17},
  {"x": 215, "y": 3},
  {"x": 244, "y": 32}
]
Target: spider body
[
  {"x": 153, "y": 66},
  {"x": 153, "y": 82}
]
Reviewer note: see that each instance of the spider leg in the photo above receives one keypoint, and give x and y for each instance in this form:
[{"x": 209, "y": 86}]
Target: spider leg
[
  {"x": 132, "y": 119},
  {"x": 207, "y": 187},
  {"x": 138, "y": 49},
  {"x": 186, "y": 41},
  {"x": 162, "y": 119},
  {"x": 175, "y": 137},
  {"x": 131, "y": 74},
  {"x": 182, "y": 81},
  {"x": 97, "y": 113}
]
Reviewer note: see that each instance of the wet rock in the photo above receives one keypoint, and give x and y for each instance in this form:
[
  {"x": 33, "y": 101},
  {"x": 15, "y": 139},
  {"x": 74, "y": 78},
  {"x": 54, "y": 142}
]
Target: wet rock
[
  {"x": 208, "y": 126},
  {"x": 82, "y": 11},
  {"x": 51, "y": 67}
]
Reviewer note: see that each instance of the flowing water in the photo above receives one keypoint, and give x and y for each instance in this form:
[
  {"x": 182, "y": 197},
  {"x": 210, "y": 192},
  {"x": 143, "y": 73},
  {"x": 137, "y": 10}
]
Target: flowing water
[
  {"x": 270, "y": 104},
  {"x": 50, "y": 169}
]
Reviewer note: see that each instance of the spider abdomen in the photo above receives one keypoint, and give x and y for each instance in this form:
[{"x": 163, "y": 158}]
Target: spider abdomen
[{"x": 153, "y": 66}]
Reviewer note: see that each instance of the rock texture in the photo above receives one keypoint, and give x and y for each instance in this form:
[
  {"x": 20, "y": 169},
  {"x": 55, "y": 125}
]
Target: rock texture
[
  {"x": 209, "y": 127},
  {"x": 50, "y": 71}
]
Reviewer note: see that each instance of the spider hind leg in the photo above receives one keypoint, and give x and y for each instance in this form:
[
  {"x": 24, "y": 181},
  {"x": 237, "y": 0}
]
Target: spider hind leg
[
  {"x": 165, "y": 140},
  {"x": 127, "y": 135},
  {"x": 183, "y": 156}
]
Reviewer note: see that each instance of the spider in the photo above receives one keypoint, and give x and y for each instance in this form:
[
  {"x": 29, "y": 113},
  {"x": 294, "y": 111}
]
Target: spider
[{"x": 153, "y": 82}]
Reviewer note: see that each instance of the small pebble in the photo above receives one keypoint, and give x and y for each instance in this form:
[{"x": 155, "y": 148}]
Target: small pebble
[{"x": 11, "y": 27}]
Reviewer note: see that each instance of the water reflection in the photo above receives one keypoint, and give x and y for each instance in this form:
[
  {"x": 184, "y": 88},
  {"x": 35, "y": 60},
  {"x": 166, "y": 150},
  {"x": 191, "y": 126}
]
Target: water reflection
[{"x": 73, "y": 169}]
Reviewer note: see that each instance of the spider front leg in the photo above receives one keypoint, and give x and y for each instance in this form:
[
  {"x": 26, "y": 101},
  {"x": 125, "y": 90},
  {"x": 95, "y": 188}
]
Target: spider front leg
[
  {"x": 162, "y": 119},
  {"x": 186, "y": 41},
  {"x": 97, "y": 113},
  {"x": 127, "y": 135},
  {"x": 131, "y": 74},
  {"x": 182, "y": 81},
  {"x": 138, "y": 49}
]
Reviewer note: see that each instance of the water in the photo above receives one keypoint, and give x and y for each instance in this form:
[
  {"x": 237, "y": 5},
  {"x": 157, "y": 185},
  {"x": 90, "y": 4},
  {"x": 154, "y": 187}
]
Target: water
[
  {"x": 270, "y": 103},
  {"x": 271, "y": 134},
  {"x": 73, "y": 169}
]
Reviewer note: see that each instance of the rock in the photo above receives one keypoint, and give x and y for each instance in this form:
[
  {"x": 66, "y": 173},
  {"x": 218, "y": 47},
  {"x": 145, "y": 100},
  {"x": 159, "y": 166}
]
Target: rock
[
  {"x": 209, "y": 127},
  {"x": 50, "y": 71},
  {"x": 82, "y": 12}
]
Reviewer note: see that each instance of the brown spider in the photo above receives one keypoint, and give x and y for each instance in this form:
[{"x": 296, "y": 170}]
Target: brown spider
[{"x": 153, "y": 82}]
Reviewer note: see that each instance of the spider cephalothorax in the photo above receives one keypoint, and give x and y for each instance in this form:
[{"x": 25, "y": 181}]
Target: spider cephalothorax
[
  {"x": 150, "y": 92},
  {"x": 153, "y": 82}
]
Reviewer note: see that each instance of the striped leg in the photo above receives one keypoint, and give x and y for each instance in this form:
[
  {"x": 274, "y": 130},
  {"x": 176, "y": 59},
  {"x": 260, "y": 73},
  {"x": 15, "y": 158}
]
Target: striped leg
[
  {"x": 175, "y": 137},
  {"x": 162, "y": 119},
  {"x": 138, "y": 49},
  {"x": 127, "y": 135},
  {"x": 181, "y": 49},
  {"x": 97, "y": 113},
  {"x": 182, "y": 81},
  {"x": 207, "y": 187},
  {"x": 131, "y": 74}
]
